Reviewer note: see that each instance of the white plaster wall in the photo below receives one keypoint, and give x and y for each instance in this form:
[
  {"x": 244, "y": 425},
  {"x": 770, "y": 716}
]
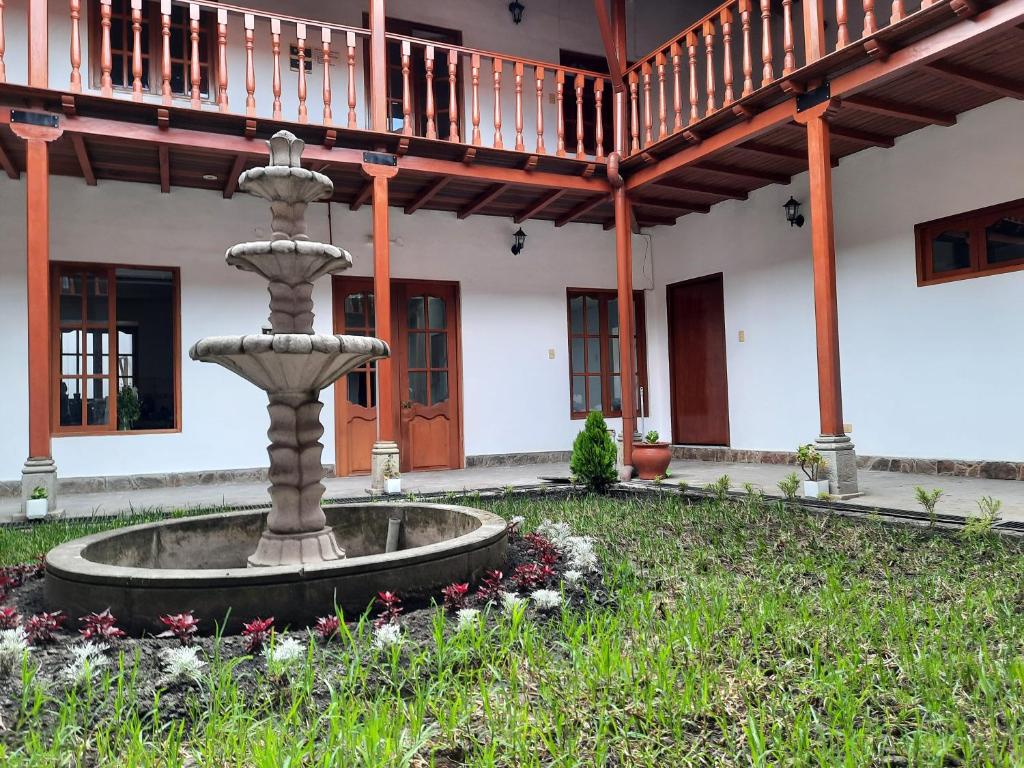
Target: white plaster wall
[
  {"x": 13, "y": 341},
  {"x": 927, "y": 372}
]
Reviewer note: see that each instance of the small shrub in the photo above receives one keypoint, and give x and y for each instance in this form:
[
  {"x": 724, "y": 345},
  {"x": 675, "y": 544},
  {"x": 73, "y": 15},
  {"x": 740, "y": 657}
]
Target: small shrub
[
  {"x": 466, "y": 618},
  {"x": 455, "y": 596},
  {"x": 13, "y": 648},
  {"x": 256, "y": 633},
  {"x": 530, "y": 575},
  {"x": 183, "y": 626},
  {"x": 100, "y": 626},
  {"x": 512, "y": 529},
  {"x": 720, "y": 488},
  {"x": 9, "y": 617},
  {"x": 390, "y": 609},
  {"x": 976, "y": 527},
  {"x": 327, "y": 627},
  {"x": 40, "y": 628},
  {"x": 387, "y": 636},
  {"x": 283, "y": 656},
  {"x": 546, "y": 599},
  {"x": 928, "y": 500},
  {"x": 182, "y": 665},
  {"x": 789, "y": 486},
  {"x": 39, "y": 492},
  {"x": 811, "y": 463},
  {"x": 490, "y": 586},
  {"x": 593, "y": 455},
  {"x": 86, "y": 660},
  {"x": 652, "y": 436}
]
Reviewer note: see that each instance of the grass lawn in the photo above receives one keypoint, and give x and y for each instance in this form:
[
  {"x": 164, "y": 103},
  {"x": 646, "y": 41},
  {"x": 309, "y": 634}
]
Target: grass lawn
[{"x": 733, "y": 633}]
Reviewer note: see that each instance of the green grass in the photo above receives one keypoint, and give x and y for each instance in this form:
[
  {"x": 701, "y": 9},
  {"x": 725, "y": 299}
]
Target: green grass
[{"x": 738, "y": 633}]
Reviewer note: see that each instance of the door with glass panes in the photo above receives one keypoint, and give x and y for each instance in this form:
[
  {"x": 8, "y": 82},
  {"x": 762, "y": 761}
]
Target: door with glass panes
[{"x": 425, "y": 354}]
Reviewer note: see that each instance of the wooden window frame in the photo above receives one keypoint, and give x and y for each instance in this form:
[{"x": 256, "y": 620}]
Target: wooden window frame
[
  {"x": 975, "y": 222},
  {"x": 59, "y": 268},
  {"x": 153, "y": 61},
  {"x": 604, "y": 296}
]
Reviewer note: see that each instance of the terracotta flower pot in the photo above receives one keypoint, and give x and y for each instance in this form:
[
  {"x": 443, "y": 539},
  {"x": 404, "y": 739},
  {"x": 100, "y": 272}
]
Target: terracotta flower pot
[{"x": 651, "y": 460}]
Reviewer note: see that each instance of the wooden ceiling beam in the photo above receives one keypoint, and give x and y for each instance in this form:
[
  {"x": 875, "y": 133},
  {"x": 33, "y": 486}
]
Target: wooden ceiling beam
[
  {"x": 773, "y": 151},
  {"x": 7, "y": 164},
  {"x": 362, "y": 197},
  {"x": 703, "y": 189},
  {"x": 427, "y": 194},
  {"x": 492, "y": 194},
  {"x": 604, "y": 23},
  {"x": 855, "y": 134},
  {"x": 231, "y": 183},
  {"x": 901, "y": 111},
  {"x": 83, "y": 160},
  {"x": 539, "y": 205},
  {"x": 656, "y": 221},
  {"x": 581, "y": 209},
  {"x": 744, "y": 173},
  {"x": 664, "y": 206},
  {"x": 982, "y": 81},
  {"x": 164, "y": 160}
]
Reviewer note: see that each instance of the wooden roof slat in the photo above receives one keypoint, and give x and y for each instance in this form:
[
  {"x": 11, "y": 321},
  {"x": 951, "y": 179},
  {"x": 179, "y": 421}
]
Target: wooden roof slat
[
  {"x": 164, "y": 160},
  {"x": 427, "y": 194},
  {"x": 365, "y": 192},
  {"x": 581, "y": 209},
  {"x": 7, "y": 164},
  {"x": 983, "y": 81},
  {"x": 703, "y": 189},
  {"x": 231, "y": 183},
  {"x": 83, "y": 160},
  {"x": 539, "y": 205},
  {"x": 903, "y": 111},
  {"x": 493, "y": 193},
  {"x": 746, "y": 173}
]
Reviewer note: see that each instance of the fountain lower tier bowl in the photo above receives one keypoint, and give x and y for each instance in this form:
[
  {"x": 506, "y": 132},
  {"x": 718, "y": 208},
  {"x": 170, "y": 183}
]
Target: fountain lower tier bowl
[
  {"x": 289, "y": 362},
  {"x": 198, "y": 564}
]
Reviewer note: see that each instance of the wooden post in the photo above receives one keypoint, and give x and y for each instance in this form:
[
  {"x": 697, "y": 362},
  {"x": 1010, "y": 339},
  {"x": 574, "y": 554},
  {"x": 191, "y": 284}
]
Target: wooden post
[
  {"x": 165, "y": 51},
  {"x": 196, "y": 73},
  {"x": 598, "y": 118},
  {"x": 222, "y": 59},
  {"x": 767, "y": 70},
  {"x": 300, "y": 33},
  {"x": 275, "y": 49},
  {"x": 106, "y": 64},
  {"x": 475, "y": 115},
  {"x": 497, "y": 66},
  {"x": 453, "y": 95},
  {"x": 815, "y": 45},
  {"x": 136, "y": 50},
  {"x": 350, "y": 59},
  {"x": 249, "y": 21},
  {"x": 406, "y": 88},
  {"x": 76, "y": 45},
  {"x": 624, "y": 284},
  {"x": 378, "y": 68},
  {"x": 325, "y": 40},
  {"x": 37, "y": 188}
]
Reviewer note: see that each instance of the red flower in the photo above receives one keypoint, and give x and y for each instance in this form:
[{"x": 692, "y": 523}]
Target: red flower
[
  {"x": 455, "y": 596},
  {"x": 180, "y": 625},
  {"x": 390, "y": 608},
  {"x": 9, "y": 617},
  {"x": 100, "y": 625},
  {"x": 40, "y": 628},
  {"x": 327, "y": 627},
  {"x": 256, "y": 632},
  {"x": 490, "y": 585}
]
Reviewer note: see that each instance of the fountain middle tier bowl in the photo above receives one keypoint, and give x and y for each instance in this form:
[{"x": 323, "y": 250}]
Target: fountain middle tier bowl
[
  {"x": 289, "y": 362},
  {"x": 289, "y": 261},
  {"x": 198, "y": 564},
  {"x": 285, "y": 184}
]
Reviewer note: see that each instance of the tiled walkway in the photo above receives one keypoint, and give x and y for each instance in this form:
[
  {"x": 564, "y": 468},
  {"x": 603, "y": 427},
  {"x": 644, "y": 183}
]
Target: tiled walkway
[{"x": 882, "y": 490}]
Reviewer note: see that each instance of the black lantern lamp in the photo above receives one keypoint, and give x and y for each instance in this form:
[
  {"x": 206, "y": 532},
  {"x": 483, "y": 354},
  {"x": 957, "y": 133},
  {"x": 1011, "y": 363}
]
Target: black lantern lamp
[
  {"x": 519, "y": 238},
  {"x": 516, "y": 9},
  {"x": 793, "y": 215}
]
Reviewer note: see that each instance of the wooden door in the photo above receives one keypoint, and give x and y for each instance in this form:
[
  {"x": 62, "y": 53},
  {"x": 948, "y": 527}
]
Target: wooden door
[
  {"x": 428, "y": 375},
  {"x": 355, "y": 395},
  {"x": 697, "y": 362}
]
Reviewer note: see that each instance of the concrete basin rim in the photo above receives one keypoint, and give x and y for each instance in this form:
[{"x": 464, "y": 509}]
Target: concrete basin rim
[{"x": 66, "y": 561}]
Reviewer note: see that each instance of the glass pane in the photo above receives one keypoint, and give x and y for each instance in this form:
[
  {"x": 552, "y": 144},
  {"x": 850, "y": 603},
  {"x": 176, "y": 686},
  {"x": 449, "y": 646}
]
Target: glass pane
[
  {"x": 439, "y": 350},
  {"x": 357, "y": 394},
  {"x": 416, "y": 318},
  {"x": 613, "y": 316},
  {"x": 438, "y": 387},
  {"x": 594, "y": 355},
  {"x": 593, "y": 317},
  {"x": 616, "y": 404},
  {"x": 96, "y": 299},
  {"x": 417, "y": 350},
  {"x": 97, "y": 352},
  {"x": 951, "y": 250},
  {"x": 577, "y": 356},
  {"x": 418, "y": 387},
  {"x": 97, "y": 406},
  {"x": 435, "y": 312},
  {"x": 146, "y": 355},
  {"x": 70, "y": 402},
  {"x": 71, "y": 353},
  {"x": 372, "y": 386},
  {"x": 579, "y": 394},
  {"x": 594, "y": 388},
  {"x": 1004, "y": 240},
  {"x": 613, "y": 354},
  {"x": 70, "y": 298},
  {"x": 576, "y": 314},
  {"x": 355, "y": 311}
]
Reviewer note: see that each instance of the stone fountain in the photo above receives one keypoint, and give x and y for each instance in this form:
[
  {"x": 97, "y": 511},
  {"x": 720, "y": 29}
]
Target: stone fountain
[{"x": 292, "y": 364}]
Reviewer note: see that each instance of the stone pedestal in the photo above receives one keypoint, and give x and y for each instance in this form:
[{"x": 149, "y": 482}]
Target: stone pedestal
[
  {"x": 624, "y": 471},
  {"x": 383, "y": 455},
  {"x": 39, "y": 472},
  {"x": 296, "y": 548},
  {"x": 842, "y": 464}
]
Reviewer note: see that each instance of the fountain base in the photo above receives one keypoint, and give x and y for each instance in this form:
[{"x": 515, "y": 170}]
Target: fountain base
[{"x": 296, "y": 549}]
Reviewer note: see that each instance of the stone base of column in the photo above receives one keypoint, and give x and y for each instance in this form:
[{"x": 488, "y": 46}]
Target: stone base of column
[
  {"x": 39, "y": 473},
  {"x": 383, "y": 461},
  {"x": 296, "y": 548},
  {"x": 624, "y": 471},
  {"x": 842, "y": 465}
]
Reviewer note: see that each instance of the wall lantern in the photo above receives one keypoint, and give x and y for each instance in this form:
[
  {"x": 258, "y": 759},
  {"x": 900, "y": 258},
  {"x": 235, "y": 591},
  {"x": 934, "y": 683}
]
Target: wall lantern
[
  {"x": 519, "y": 238},
  {"x": 793, "y": 215},
  {"x": 516, "y": 9}
]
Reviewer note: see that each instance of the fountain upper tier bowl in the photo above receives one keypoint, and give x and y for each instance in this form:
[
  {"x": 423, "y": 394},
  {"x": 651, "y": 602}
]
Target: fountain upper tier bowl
[{"x": 198, "y": 563}]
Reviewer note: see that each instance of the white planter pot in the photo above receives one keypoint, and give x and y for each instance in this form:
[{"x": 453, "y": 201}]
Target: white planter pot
[
  {"x": 814, "y": 488},
  {"x": 393, "y": 485},
  {"x": 36, "y": 509}
]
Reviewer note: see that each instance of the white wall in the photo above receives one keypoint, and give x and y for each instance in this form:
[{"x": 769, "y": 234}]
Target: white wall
[{"x": 927, "y": 372}]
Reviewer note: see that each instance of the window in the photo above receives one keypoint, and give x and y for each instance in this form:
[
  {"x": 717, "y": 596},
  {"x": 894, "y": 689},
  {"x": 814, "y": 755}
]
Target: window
[
  {"x": 441, "y": 38},
  {"x": 592, "y": 63},
  {"x": 595, "y": 381},
  {"x": 116, "y": 342},
  {"x": 986, "y": 241},
  {"x": 359, "y": 321},
  {"x": 122, "y": 42}
]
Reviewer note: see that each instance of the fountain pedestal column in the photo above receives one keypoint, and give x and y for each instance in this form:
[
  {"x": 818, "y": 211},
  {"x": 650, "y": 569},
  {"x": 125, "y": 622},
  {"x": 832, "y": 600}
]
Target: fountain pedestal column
[{"x": 384, "y": 460}]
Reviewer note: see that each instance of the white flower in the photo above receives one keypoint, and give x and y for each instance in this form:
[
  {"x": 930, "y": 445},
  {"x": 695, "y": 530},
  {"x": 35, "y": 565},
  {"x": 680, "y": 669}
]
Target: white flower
[
  {"x": 182, "y": 665},
  {"x": 556, "y": 533},
  {"x": 510, "y": 601},
  {"x": 466, "y": 618},
  {"x": 284, "y": 654},
  {"x": 13, "y": 648},
  {"x": 546, "y": 599},
  {"x": 387, "y": 635},
  {"x": 573, "y": 577},
  {"x": 86, "y": 659}
]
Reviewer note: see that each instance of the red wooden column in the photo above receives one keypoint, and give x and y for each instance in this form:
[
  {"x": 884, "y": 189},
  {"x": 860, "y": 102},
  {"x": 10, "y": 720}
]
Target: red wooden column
[
  {"x": 385, "y": 450},
  {"x": 833, "y": 443},
  {"x": 815, "y": 45},
  {"x": 378, "y": 68}
]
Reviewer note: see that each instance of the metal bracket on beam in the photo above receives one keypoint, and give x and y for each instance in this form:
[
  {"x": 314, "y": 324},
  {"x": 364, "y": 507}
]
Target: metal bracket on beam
[
  {"x": 805, "y": 101},
  {"x": 42, "y": 119},
  {"x": 380, "y": 158}
]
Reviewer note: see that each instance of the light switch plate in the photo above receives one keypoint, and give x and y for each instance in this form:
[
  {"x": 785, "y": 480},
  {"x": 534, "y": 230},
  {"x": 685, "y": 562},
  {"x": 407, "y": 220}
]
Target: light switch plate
[
  {"x": 551, "y": 354},
  {"x": 847, "y": 427},
  {"x": 743, "y": 335}
]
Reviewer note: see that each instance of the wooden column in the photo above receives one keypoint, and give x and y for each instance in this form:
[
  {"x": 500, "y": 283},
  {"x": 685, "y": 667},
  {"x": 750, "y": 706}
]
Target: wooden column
[
  {"x": 37, "y": 187},
  {"x": 378, "y": 68}
]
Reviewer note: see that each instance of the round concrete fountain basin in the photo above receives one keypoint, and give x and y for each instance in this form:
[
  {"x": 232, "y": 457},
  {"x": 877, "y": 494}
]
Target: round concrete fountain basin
[{"x": 199, "y": 563}]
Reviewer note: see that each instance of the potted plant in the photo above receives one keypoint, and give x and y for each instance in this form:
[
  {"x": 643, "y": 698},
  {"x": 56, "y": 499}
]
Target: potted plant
[
  {"x": 37, "y": 504},
  {"x": 128, "y": 408},
  {"x": 392, "y": 478},
  {"x": 651, "y": 457},
  {"x": 814, "y": 467}
]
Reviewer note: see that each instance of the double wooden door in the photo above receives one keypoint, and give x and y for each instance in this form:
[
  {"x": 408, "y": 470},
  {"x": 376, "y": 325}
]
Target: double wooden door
[
  {"x": 426, "y": 376},
  {"x": 697, "y": 362}
]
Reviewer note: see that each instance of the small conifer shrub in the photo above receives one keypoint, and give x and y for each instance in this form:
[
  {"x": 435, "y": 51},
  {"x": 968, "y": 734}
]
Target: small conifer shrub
[{"x": 593, "y": 455}]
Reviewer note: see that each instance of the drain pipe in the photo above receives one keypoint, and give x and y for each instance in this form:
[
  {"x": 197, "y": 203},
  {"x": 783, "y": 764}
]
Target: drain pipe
[{"x": 395, "y": 523}]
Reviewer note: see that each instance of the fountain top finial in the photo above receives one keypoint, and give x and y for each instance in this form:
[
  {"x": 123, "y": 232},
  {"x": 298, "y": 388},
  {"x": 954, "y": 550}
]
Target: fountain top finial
[{"x": 286, "y": 149}]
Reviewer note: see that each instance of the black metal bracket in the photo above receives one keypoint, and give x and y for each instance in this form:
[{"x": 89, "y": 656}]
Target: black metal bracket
[
  {"x": 44, "y": 119},
  {"x": 380, "y": 158},
  {"x": 813, "y": 98}
]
